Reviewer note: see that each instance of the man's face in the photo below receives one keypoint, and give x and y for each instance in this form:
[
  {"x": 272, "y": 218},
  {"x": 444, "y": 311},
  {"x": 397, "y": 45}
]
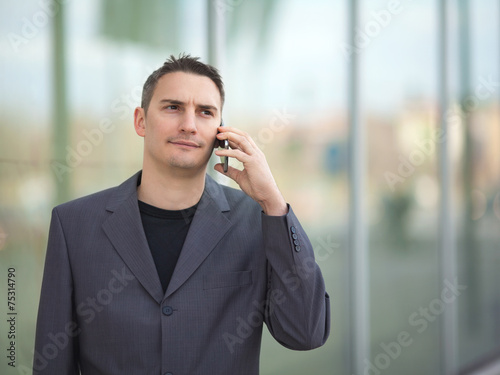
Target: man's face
[{"x": 181, "y": 123}]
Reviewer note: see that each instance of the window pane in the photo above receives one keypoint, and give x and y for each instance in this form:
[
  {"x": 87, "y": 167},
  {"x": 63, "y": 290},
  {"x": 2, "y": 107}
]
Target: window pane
[
  {"x": 398, "y": 54},
  {"x": 478, "y": 176}
]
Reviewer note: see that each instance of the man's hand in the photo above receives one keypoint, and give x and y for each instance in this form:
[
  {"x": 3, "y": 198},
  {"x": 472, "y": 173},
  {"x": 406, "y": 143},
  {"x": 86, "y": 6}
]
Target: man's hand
[{"x": 256, "y": 179}]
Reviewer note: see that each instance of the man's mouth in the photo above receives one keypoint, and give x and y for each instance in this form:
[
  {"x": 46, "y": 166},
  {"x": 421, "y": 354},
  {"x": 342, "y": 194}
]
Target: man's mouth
[{"x": 184, "y": 143}]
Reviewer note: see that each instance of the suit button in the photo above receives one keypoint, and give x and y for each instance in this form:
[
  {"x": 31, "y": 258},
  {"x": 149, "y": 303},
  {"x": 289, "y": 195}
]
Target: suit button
[
  {"x": 167, "y": 310},
  {"x": 297, "y": 248},
  {"x": 293, "y": 230},
  {"x": 296, "y": 243},
  {"x": 294, "y": 236}
]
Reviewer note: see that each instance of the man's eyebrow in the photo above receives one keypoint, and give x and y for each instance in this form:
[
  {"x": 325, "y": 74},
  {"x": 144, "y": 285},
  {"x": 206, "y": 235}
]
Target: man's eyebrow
[
  {"x": 171, "y": 101},
  {"x": 208, "y": 106},
  {"x": 179, "y": 102}
]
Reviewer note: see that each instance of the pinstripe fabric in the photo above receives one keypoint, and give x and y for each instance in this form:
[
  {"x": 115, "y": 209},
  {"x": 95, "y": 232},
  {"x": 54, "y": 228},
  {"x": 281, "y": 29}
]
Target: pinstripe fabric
[{"x": 103, "y": 312}]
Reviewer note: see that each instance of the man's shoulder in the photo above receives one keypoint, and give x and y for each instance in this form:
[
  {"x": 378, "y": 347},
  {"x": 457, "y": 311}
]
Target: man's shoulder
[
  {"x": 90, "y": 201},
  {"x": 101, "y": 199},
  {"x": 233, "y": 193}
]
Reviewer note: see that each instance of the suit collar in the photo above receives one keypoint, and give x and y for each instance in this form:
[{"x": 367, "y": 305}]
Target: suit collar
[
  {"x": 128, "y": 188},
  {"x": 124, "y": 229}
]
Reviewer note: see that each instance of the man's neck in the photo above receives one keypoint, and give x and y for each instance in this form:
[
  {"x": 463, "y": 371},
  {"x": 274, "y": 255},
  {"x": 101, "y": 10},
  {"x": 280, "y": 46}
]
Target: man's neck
[{"x": 170, "y": 190}]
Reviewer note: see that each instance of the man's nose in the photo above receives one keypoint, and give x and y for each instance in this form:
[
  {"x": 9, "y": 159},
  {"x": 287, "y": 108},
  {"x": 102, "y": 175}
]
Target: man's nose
[{"x": 188, "y": 122}]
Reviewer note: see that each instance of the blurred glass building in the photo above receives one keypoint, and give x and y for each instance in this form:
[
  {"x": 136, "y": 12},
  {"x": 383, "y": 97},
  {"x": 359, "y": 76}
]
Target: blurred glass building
[{"x": 380, "y": 121}]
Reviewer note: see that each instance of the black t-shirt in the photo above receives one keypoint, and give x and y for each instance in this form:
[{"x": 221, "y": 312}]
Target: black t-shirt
[{"x": 165, "y": 231}]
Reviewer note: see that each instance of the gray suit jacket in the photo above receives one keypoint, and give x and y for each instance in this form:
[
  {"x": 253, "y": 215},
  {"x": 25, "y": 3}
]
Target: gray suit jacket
[{"x": 103, "y": 311}]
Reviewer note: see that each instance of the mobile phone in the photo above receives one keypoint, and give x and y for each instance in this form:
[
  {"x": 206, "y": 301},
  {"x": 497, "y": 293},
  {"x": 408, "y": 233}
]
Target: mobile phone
[{"x": 224, "y": 143}]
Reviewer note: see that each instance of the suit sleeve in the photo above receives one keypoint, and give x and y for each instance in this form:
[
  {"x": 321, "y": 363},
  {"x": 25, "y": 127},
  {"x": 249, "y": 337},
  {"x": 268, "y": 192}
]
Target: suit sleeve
[
  {"x": 298, "y": 307},
  {"x": 56, "y": 329}
]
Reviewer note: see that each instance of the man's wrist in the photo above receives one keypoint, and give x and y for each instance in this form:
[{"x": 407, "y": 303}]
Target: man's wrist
[{"x": 276, "y": 207}]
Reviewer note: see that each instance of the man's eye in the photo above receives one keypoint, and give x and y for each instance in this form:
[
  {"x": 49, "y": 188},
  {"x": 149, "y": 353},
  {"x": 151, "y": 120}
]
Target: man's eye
[
  {"x": 207, "y": 113},
  {"x": 172, "y": 107}
]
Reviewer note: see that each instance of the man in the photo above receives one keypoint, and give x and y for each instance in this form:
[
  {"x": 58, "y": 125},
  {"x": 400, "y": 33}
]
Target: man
[{"x": 170, "y": 272}]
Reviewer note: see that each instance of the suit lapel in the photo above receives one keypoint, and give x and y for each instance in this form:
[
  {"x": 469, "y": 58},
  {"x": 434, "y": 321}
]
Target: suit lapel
[
  {"x": 208, "y": 227},
  {"x": 125, "y": 231}
]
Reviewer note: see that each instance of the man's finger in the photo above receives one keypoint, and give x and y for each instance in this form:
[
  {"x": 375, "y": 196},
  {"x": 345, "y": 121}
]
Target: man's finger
[
  {"x": 235, "y": 153},
  {"x": 232, "y": 172},
  {"x": 238, "y": 139}
]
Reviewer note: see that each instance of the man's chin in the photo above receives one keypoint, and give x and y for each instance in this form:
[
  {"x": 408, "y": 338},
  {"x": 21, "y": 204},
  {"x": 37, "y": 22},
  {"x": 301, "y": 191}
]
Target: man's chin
[{"x": 186, "y": 165}]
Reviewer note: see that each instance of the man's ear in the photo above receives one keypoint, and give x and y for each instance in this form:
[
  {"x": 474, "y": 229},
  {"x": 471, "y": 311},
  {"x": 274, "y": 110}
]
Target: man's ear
[{"x": 140, "y": 121}]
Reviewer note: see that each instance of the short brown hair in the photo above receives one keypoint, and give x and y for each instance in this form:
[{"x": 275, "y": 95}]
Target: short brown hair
[{"x": 184, "y": 63}]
